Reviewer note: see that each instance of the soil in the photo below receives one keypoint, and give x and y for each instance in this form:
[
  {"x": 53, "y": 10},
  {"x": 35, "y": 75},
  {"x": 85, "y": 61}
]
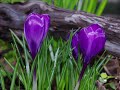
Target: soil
[{"x": 112, "y": 69}]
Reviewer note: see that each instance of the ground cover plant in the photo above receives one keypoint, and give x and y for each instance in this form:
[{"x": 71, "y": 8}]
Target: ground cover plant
[{"x": 55, "y": 66}]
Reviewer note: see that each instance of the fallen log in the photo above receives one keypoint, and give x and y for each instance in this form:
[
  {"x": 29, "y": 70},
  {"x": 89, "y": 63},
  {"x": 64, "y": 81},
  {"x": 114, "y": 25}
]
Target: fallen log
[{"x": 62, "y": 21}]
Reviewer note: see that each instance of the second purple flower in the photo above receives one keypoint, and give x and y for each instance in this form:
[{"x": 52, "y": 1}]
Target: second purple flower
[{"x": 90, "y": 41}]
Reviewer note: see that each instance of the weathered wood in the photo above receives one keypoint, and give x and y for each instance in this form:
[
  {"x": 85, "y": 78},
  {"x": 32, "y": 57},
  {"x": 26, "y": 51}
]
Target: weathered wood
[{"x": 62, "y": 21}]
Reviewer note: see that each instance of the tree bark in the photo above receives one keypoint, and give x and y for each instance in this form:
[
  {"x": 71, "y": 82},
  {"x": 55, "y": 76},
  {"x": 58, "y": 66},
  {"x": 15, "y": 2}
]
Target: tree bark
[{"x": 62, "y": 21}]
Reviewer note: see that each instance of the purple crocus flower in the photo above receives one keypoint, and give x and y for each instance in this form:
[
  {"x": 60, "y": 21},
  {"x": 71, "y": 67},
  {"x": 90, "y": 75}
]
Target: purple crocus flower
[
  {"x": 35, "y": 30},
  {"x": 90, "y": 41}
]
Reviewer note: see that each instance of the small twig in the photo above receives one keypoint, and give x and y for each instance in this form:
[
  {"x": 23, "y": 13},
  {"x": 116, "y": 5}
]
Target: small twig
[{"x": 105, "y": 68}]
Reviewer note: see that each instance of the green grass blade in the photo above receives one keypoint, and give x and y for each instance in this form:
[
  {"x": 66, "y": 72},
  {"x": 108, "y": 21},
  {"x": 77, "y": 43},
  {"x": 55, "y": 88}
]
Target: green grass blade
[
  {"x": 80, "y": 4},
  {"x": 2, "y": 81},
  {"x": 55, "y": 62},
  {"x": 101, "y": 7},
  {"x": 90, "y": 6},
  {"x": 9, "y": 63},
  {"x": 85, "y": 5},
  {"x": 14, "y": 76},
  {"x": 26, "y": 57},
  {"x": 18, "y": 40},
  {"x": 94, "y": 6}
]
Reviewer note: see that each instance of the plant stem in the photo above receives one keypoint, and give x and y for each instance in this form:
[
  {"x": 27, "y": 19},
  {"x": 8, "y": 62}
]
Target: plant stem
[
  {"x": 34, "y": 80},
  {"x": 27, "y": 67},
  {"x": 80, "y": 76}
]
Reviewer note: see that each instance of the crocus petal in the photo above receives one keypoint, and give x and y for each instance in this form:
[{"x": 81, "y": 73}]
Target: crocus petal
[
  {"x": 74, "y": 45},
  {"x": 92, "y": 41},
  {"x": 46, "y": 23},
  {"x": 35, "y": 30}
]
